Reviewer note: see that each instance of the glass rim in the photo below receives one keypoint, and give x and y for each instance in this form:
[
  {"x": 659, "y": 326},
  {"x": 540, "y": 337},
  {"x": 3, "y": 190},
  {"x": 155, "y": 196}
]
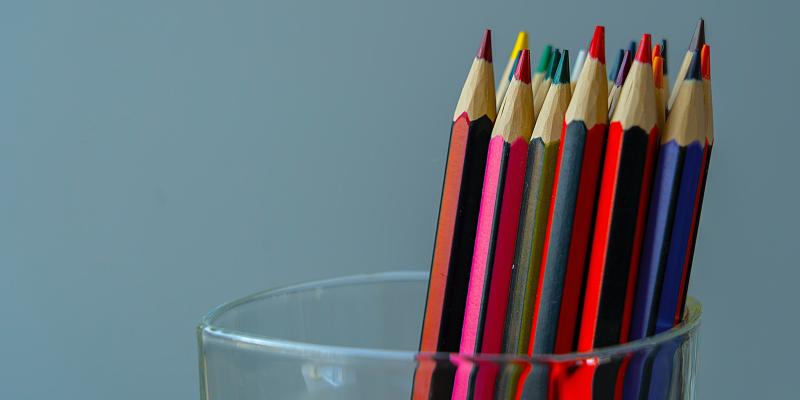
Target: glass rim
[{"x": 688, "y": 326}]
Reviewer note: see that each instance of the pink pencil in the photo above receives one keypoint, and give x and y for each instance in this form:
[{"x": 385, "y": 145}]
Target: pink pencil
[{"x": 490, "y": 276}]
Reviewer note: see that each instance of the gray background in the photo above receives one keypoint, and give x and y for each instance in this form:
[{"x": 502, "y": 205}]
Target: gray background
[{"x": 160, "y": 157}]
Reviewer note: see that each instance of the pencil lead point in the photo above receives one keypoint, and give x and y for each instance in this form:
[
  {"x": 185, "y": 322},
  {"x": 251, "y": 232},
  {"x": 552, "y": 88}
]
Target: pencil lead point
[
  {"x": 699, "y": 37},
  {"x": 551, "y": 70},
  {"x": 485, "y": 51},
  {"x": 624, "y": 68},
  {"x": 544, "y": 59},
  {"x": 597, "y": 49},
  {"x": 612, "y": 74},
  {"x": 522, "y": 40},
  {"x": 523, "y": 72},
  {"x": 656, "y": 51},
  {"x": 643, "y": 54},
  {"x": 562, "y": 72},
  {"x": 576, "y": 69},
  {"x": 658, "y": 72},
  {"x": 705, "y": 62}
]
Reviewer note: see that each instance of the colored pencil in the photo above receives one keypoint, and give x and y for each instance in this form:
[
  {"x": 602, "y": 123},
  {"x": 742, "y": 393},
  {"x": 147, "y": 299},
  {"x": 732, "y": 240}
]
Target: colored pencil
[
  {"x": 697, "y": 42},
  {"x": 612, "y": 72},
  {"x": 688, "y": 115},
  {"x": 621, "y": 210},
  {"x": 544, "y": 87},
  {"x": 508, "y": 72},
  {"x": 662, "y": 52},
  {"x": 656, "y": 54},
  {"x": 624, "y": 193},
  {"x": 691, "y": 115},
  {"x": 622, "y": 74},
  {"x": 663, "y": 364},
  {"x": 681, "y": 145},
  {"x": 661, "y": 90},
  {"x": 705, "y": 67},
  {"x": 542, "y": 68},
  {"x": 542, "y": 155},
  {"x": 498, "y": 219},
  {"x": 568, "y": 221},
  {"x": 576, "y": 69},
  {"x": 458, "y": 213},
  {"x": 572, "y": 209}
]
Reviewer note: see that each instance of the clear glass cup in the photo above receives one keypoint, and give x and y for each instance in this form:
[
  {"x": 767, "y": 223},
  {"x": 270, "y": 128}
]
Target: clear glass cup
[{"x": 356, "y": 338}]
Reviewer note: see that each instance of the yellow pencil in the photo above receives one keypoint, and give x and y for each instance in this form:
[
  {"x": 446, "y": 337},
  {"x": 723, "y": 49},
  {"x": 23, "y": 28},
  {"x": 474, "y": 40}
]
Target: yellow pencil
[{"x": 508, "y": 71}]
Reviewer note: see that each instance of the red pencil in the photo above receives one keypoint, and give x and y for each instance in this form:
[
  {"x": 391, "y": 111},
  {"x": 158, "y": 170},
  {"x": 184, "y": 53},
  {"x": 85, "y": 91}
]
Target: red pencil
[
  {"x": 458, "y": 215},
  {"x": 621, "y": 211},
  {"x": 627, "y": 172}
]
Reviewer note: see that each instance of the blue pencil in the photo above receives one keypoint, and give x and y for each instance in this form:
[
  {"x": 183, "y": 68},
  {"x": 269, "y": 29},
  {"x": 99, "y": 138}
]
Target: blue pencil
[
  {"x": 684, "y": 212},
  {"x": 669, "y": 223}
]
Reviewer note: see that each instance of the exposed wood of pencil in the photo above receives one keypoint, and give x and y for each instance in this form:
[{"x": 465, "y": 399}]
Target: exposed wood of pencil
[
  {"x": 455, "y": 233},
  {"x": 495, "y": 241},
  {"x": 572, "y": 209},
  {"x": 508, "y": 72},
  {"x": 621, "y": 209}
]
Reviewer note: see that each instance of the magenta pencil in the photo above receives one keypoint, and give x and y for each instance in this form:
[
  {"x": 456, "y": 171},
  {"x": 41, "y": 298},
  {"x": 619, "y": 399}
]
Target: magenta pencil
[{"x": 498, "y": 218}]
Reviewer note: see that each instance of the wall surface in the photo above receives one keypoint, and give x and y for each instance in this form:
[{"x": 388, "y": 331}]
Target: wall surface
[{"x": 160, "y": 157}]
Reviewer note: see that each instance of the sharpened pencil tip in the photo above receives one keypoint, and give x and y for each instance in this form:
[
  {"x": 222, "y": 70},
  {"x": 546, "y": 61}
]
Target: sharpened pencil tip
[
  {"x": 656, "y": 51},
  {"x": 597, "y": 49},
  {"x": 551, "y": 71},
  {"x": 521, "y": 43},
  {"x": 705, "y": 62},
  {"x": 643, "y": 54},
  {"x": 562, "y": 72},
  {"x": 485, "y": 51},
  {"x": 632, "y": 47},
  {"x": 658, "y": 72},
  {"x": 523, "y": 72},
  {"x": 514, "y": 66},
  {"x": 693, "y": 73},
  {"x": 612, "y": 73},
  {"x": 664, "y": 54},
  {"x": 578, "y": 67},
  {"x": 699, "y": 37},
  {"x": 622, "y": 74},
  {"x": 544, "y": 59}
]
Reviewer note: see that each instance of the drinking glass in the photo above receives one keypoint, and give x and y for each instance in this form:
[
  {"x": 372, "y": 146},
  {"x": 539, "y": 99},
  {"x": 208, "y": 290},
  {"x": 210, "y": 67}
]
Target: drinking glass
[{"x": 356, "y": 337}]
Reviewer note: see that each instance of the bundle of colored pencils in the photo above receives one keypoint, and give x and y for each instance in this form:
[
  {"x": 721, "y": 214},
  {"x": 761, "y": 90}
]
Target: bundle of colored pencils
[{"x": 569, "y": 212}]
